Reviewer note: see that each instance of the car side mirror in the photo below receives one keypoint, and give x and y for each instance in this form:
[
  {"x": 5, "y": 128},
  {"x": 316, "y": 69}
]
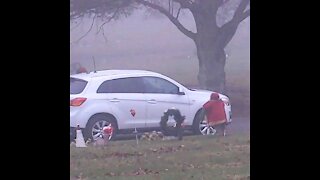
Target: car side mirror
[{"x": 181, "y": 92}]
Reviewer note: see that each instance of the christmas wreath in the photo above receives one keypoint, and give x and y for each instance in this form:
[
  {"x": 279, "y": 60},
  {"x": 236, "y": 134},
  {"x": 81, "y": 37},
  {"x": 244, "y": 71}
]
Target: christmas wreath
[{"x": 176, "y": 130}]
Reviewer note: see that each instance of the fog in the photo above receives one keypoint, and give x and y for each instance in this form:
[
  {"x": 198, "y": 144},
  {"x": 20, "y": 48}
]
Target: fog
[{"x": 140, "y": 41}]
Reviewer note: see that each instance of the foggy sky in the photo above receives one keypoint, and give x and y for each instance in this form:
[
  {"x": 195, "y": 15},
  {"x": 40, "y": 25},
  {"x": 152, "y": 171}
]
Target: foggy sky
[{"x": 138, "y": 36}]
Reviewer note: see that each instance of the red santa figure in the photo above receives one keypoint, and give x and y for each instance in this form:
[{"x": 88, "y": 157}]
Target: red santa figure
[
  {"x": 215, "y": 112},
  {"x": 107, "y": 132}
]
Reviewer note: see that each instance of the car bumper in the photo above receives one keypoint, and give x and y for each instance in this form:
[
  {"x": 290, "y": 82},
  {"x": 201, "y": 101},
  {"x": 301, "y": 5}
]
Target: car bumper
[{"x": 77, "y": 119}]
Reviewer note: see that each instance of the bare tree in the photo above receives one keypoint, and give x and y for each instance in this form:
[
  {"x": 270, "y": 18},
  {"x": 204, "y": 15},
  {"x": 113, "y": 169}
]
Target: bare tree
[{"x": 216, "y": 24}]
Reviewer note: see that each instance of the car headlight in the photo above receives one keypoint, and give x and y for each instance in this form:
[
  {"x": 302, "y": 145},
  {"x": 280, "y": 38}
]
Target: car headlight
[{"x": 226, "y": 102}]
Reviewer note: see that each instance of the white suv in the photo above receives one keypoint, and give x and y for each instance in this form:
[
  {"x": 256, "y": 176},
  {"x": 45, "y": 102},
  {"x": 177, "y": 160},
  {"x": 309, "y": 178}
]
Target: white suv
[{"x": 103, "y": 97}]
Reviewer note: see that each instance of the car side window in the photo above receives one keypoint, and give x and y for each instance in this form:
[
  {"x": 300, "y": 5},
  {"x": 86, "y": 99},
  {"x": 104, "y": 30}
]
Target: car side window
[
  {"x": 122, "y": 85},
  {"x": 159, "y": 85},
  {"x": 77, "y": 85}
]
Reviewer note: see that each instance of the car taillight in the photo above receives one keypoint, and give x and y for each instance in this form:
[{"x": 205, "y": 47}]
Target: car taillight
[{"x": 77, "y": 101}]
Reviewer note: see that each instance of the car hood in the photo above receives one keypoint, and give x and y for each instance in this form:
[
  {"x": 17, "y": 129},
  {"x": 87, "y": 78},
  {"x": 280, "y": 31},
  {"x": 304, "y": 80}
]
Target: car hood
[{"x": 208, "y": 93}]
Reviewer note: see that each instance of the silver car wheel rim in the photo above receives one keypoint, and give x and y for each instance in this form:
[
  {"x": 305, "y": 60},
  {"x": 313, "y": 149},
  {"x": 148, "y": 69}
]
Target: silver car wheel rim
[
  {"x": 97, "y": 129},
  {"x": 205, "y": 129}
]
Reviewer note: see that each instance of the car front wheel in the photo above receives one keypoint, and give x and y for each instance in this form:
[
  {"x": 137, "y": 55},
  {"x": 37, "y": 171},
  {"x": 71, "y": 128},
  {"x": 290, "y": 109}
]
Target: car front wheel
[{"x": 200, "y": 125}]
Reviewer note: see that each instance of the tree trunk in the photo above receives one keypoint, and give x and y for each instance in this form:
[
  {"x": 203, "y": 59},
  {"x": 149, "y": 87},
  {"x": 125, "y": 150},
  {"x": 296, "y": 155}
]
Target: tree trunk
[
  {"x": 210, "y": 39},
  {"x": 210, "y": 48},
  {"x": 211, "y": 74},
  {"x": 212, "y": 57}
]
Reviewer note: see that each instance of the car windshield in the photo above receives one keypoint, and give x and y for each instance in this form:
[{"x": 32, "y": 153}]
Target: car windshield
[{"x": 77, "y": 85}]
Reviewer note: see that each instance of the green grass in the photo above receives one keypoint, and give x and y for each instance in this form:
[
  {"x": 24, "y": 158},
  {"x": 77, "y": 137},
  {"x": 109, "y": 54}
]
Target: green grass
[{"x": 195, "y": 157}]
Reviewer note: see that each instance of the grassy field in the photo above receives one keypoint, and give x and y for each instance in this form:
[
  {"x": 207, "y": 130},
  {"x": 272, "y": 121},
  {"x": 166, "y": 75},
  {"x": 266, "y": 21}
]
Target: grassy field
[{"x": 195, "y": 157}]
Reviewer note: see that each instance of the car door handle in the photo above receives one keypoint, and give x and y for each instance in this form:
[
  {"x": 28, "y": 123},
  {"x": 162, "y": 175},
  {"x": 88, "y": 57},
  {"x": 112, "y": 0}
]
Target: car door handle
[
  {"x": 152, "y": 101},
  {"x": 114, "y": 100}
]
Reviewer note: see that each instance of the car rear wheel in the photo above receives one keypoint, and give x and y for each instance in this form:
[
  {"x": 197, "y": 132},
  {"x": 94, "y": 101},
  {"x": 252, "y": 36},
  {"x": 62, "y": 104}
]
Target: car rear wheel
[{"x": 94, "y": 128}]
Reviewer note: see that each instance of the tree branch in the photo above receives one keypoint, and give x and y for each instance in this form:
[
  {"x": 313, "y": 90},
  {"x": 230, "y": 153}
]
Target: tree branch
[
  {"x": 75, "y": 16},
  {"x": 244, "y": 15},
  {"x": 242, "y": 6},
  {"x": 238, "y": 16},
  {"x": 229, "y": 33},
  {"x": 108, "y": 20},
  {"x": 74, "y": 27},
  {"x": 229, "y": 29},
  {"x": 178, "y": 13},
  {"x": 171, "y": 7},
  {"x": 104, "y": 36},
  {"x": 185, "y": 3},
  {"x": 87, "y": 31},
  {"x": 171, "y": 17}
]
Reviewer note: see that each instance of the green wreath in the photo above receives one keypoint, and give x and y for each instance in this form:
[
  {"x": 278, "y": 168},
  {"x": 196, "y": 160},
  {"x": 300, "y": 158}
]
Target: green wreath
[{"x": 177, "y": 130}]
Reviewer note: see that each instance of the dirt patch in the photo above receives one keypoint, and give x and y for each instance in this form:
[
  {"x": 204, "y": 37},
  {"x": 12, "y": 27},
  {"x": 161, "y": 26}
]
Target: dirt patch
[
  {"x": 137, "y": 172},
  {"x": 169, "y": 149},
  {"x": 124, "y": 155}
]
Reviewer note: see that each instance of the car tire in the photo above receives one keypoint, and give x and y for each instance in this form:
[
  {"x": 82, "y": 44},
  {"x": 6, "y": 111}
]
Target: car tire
[
  {"x": 97, "y": 122},
  {"x": 198, "y": 119}
]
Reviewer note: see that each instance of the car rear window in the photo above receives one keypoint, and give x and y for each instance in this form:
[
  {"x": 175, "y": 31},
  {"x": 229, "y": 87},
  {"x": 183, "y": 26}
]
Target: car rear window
[{"x": 77, "y": 85}]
